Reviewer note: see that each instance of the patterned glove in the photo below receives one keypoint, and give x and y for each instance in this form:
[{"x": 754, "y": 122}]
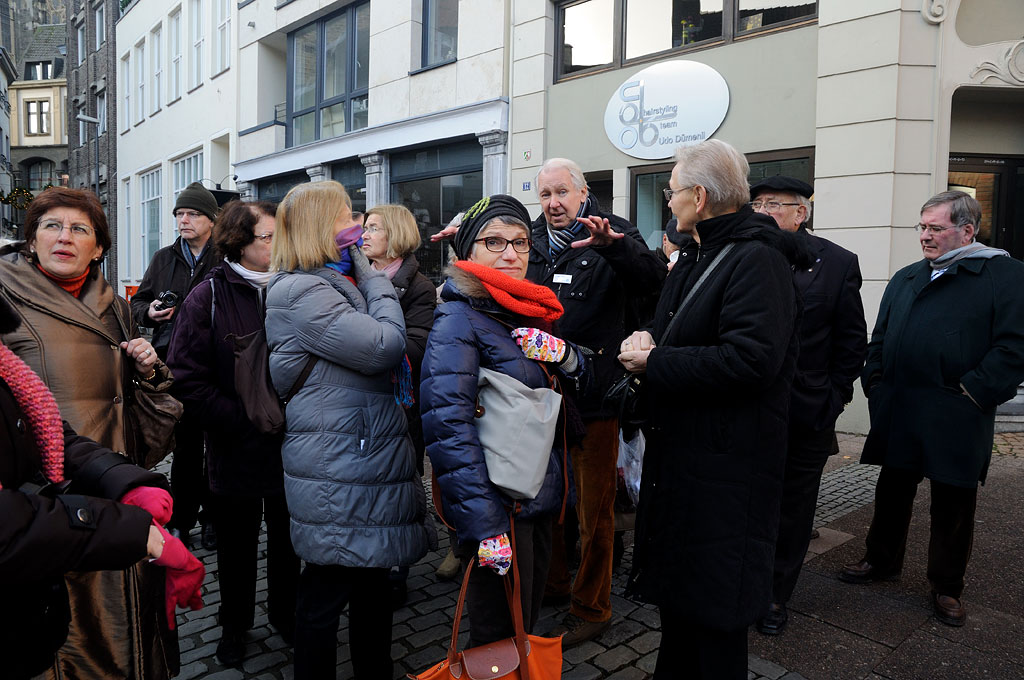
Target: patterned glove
[
  {"x": 152, "y": 499},
  {"x": 538, "y": 345},
  {"x": 184, "y": 580},
  {"x": 495, "y": 553}
]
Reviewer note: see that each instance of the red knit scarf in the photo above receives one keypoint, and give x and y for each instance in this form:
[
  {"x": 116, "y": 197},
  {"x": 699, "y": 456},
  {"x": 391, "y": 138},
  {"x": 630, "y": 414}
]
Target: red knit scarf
[
  {"x": 36, "y": 400},
  {"x": 73, "y": 286},
  {"x": 516, "y": 295}
]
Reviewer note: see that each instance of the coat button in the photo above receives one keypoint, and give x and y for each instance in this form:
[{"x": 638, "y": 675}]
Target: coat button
[
  {"x": 117, "y": 399},
  {"x": 583, "y": 262},
  {"x": 21, "y": 426},
  {"x": 671, "y": 314},
  {"x": 84, "y": 516}
]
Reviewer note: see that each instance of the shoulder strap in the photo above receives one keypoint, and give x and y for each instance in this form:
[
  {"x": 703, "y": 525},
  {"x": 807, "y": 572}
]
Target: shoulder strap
[
  {"x": 303, "y": 376},
  {"x": 693, "y": 291}
]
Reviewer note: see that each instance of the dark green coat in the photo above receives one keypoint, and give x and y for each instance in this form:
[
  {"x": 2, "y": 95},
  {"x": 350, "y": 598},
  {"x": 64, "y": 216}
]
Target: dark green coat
[{"x": 964, "y": 328}]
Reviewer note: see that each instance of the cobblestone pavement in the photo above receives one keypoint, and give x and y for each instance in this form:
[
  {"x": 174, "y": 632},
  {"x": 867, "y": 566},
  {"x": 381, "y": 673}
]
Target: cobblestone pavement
[{"x": 627, "y": 651}]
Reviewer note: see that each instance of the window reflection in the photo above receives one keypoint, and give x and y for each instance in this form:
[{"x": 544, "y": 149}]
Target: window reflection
[
  {"x": 755, "y": 14},
  {"x": 587, "y": 28},
  {"x": 658, "y": 25}
]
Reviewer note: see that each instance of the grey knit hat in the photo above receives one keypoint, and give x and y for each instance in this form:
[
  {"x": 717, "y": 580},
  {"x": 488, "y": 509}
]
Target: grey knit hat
[{"x": 197, "y": 197}]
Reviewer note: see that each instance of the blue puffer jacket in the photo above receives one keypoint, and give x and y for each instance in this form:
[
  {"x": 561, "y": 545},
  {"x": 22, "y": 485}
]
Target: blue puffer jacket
[
  {"x": 350, "y": 478},
  {"x": 467, "y": 335}
]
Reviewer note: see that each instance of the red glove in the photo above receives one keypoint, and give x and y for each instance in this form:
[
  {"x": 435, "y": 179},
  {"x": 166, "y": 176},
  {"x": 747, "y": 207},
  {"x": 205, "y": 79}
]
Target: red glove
[
  {"x": 153, "y": 500},
  {"x": 184, "y": 576}
]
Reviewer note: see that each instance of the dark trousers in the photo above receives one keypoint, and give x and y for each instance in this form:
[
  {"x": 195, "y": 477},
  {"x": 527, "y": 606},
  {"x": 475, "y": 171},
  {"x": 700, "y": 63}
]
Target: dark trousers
[
  {"x": 805, "y": 459},
  {"x": 188, "y": 474},
  {"x": 238, "y": 530},
  {"x": 594, "y": 464},
  {"x": 486, "y": 602},
  {"x": 697, "y": 653},
  {"x": 324, "y": 591},
  {"x": 952, "y": 527}
]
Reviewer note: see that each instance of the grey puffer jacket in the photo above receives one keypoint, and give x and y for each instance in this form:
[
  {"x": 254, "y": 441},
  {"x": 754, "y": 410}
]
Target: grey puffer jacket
[{"x": 350, "y": 479}]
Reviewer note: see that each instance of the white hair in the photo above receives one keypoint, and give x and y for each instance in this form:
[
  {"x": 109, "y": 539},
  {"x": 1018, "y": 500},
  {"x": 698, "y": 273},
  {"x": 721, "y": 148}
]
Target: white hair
[
  {"x": 575, "y": 171},
  {"x": 719, "y": 168}
]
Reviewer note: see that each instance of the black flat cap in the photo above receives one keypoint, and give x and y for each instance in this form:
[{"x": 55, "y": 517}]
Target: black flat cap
[{"x": 790, "y": 185}]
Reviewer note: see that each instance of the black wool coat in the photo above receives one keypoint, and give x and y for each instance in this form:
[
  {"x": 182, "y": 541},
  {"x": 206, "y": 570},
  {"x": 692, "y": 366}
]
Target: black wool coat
[
  {"x": 965, "y": 328},
  {"x": 599, "y": 299},
  {"x": 833, "y": 334},
  {"x": 718, "y": 392},
  {"x": 241, "y": 460}
]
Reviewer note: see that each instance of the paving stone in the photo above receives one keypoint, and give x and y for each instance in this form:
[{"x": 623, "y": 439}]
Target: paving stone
[
  {"x": 198, "y": 653},
  {"x": 792, "y": 676},
  {"x": 647, "y": 662},
  {"x": 764, "y": 667},
  {"x": 434, "y": 634},
  {"x": 615, "y": 658},
  {"x": 648, "y": 617},
  {"x": 584, "y": 671},
  {"x": 582, "y": 652},
  {"x": 196, "y": 669},
  {"x": 648, "y": 642},
  {"x": 428, "y": 620},
  {"x": 226, "y": 674},
  {"x": 263, "y": 661},
  {"x": 630, "y": 673}
]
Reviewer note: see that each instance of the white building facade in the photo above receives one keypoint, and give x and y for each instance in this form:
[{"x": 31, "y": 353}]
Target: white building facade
[{"x": 177, "y": 116}]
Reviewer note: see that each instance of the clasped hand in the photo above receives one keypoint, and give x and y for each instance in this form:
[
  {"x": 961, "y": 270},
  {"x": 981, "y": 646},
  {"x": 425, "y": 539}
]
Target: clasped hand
[{"x": 634, "y": 350}]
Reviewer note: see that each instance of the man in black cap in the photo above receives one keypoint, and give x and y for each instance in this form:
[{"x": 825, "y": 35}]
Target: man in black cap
[
  {"x": 833, "y": 338},
  {"x": 176, "y": 269}
]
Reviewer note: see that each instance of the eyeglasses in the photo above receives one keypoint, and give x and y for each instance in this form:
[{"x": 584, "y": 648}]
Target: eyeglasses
[
  {"x": 191, "y": 214},
  {"x": 496, "y": 244},
  {"x": 55, "y": 228},
  {"x": 266, "y": 238},
  {"x": 669, "y": 192},
  {"x": 372, "y": 230},
  {"x": 936, "y": 230},
  {"x": 769, "y": 206}
]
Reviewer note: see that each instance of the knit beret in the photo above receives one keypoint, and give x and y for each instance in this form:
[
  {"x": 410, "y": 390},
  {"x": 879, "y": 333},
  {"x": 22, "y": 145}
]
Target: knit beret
[
  {"x": 482, "y": 212},
  {"x": 197, "y": 197}
]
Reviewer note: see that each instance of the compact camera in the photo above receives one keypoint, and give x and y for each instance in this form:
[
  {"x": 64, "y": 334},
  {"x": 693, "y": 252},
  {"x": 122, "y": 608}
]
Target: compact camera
[{"x": 167, "y": 299}]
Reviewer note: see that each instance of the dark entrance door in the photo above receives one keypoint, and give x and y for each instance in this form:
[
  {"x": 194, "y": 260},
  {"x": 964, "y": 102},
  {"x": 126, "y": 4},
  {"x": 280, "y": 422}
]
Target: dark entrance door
[{"x": 998, "y": 184}]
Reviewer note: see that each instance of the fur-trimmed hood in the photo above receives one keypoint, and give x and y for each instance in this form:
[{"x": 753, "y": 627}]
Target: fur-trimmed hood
[{"x": 467, "y": 284}]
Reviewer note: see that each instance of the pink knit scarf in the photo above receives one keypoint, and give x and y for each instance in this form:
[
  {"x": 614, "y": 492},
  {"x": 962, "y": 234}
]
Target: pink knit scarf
[{"x": 40, "y": 408}]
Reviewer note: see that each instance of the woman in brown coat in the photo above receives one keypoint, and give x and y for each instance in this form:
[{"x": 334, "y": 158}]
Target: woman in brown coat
[{"x": 76, "y": 333}]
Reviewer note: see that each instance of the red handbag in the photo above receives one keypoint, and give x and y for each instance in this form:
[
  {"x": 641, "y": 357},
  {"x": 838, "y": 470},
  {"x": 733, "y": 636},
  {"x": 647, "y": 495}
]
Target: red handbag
[{"x": 526, "y": 657}]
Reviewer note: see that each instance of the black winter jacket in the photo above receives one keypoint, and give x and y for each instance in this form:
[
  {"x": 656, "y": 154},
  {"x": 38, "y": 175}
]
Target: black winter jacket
[
  {"x": 241, "y": 460},
  {"x": 718, "y": 393},
  {"x": 599, "y": 299},
  {"x": 168, "y": 270}
]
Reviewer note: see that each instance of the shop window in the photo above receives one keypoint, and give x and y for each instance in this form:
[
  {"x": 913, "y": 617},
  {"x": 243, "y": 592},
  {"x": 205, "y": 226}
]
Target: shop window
[
  {"x": 440, "y": 31},
  {"x": 594, "y": 35},
  {"x": 275, "y": 188},
  {"x": 352, "y": 175},
  {"x": 328, "y": 66}
]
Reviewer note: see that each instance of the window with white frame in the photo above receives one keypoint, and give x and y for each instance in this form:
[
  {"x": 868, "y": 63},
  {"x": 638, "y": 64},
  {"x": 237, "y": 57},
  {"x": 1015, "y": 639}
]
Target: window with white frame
[
  {"x": 37, "y": 117},
  {"x": 174, "y": 48},
  {"x": 125, "y": 199},
  {"x": 149, "y": 202},
  {"x": 81, "y": 43},
  {"x": 187, "y": 170},
  {"x": 101, "y": 28},
  {"x": 140, "y": 79},
  {"x": 126, "y": 107},
  {"x": 222, "y": 35},
  {"x": 196, "y": 40},
  {"x": 156, "y": 60},
  {"x": 83, "y": 130},
  {"x": 101, "y": 113}
]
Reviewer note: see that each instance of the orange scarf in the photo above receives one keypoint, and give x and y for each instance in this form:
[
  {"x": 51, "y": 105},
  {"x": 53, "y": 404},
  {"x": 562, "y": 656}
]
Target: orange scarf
[
  {"x": 518, "y": 296},
  {"x": 73, "y": 286}
]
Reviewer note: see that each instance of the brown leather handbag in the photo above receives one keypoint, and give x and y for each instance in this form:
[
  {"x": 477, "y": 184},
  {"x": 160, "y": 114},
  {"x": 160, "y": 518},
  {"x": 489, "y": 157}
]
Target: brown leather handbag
[{"x": 526, "y": 657}]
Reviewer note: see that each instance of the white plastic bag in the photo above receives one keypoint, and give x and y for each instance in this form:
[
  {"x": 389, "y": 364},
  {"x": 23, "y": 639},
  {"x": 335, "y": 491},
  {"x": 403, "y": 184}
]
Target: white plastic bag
[{"x": 631, "y": 463}]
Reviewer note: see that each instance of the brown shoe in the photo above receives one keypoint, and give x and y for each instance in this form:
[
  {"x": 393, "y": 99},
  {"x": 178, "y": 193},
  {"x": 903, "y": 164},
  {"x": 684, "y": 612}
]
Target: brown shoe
[
  {"x": 949, "y": 610},
  {"x": 865, "y": 572},
  {"x": 575, "y": 630}
]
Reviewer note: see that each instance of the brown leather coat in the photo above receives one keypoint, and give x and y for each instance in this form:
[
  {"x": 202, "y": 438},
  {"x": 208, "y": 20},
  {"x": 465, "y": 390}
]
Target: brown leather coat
[{"x": 73, "y": 344}]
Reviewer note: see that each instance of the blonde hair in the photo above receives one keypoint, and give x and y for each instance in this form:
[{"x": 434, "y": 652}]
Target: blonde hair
[
  {"x": 400, "y": 228},
  {"x": 719, "y": 168},
  {"x": 304, "y": 237}
]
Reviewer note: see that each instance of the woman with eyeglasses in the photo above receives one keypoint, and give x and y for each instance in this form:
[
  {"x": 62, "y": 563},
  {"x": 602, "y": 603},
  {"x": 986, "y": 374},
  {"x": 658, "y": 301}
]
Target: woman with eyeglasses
[
  {"x": 492, "y": 317},
  {"x": 77, "y": 334},
  {"x": 244, "y": 464}
]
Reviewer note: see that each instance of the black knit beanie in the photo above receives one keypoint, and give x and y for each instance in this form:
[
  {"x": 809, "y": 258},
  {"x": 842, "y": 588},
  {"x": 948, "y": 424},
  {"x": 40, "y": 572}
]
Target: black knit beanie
[
  {"x": 197, "y": 197},
  {"x": 482, "y": 212}
]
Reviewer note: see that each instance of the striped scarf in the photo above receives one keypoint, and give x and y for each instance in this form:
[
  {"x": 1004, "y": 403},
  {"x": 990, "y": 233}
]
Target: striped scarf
[
  {"x": 560, "y": 239},
  {"x": 40, "y": 408}
]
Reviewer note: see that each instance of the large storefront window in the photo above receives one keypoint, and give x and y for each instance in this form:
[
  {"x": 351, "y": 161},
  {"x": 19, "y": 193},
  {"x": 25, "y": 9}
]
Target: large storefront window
[
  {"x": 436, "y": 184},
  {"x": 594, "y": 35},
  {"x": 329, "y": 74},
  {"x": 275, "y": 188},
  {"x": 352, "y": 175}
]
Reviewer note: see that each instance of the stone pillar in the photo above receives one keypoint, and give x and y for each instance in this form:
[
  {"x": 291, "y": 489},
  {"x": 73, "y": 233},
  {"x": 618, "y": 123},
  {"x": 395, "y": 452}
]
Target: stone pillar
[
  {"x": 495, "y": 161},
  {"x": 247, "y": 190},
  {"x": 318, "y": 173},
  {"x": 377, "y": 179},
  {"x": 531, "y": 63}
]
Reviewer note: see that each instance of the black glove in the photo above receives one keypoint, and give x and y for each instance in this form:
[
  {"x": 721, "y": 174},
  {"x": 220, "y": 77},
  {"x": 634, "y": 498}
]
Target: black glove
[{"x": 361, "y": 268}]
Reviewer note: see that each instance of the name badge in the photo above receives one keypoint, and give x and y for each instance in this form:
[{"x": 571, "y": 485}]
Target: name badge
[{"x": 562, "y": 278}]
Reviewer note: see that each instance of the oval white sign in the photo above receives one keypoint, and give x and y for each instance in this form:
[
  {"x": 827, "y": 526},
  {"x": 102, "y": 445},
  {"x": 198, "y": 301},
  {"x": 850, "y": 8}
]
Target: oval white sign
[{"x": 671, "y": 104}]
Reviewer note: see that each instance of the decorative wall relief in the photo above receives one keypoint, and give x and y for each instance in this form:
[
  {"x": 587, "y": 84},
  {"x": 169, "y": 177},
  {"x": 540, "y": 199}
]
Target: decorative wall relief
[
  {"x": 1011, "y": 71},
  {"x": 934, "y": 11}
]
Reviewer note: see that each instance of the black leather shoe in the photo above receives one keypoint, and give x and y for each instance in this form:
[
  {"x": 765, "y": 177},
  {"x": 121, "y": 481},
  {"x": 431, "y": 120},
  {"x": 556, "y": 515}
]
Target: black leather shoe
[
  {"x": 231, "y": 649},
  {"x": 949, "y": 610},
  {"x": 209, "y": 537},
  {"x": 774, "y": 622},
  {"x": 865, "y": 572}
]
